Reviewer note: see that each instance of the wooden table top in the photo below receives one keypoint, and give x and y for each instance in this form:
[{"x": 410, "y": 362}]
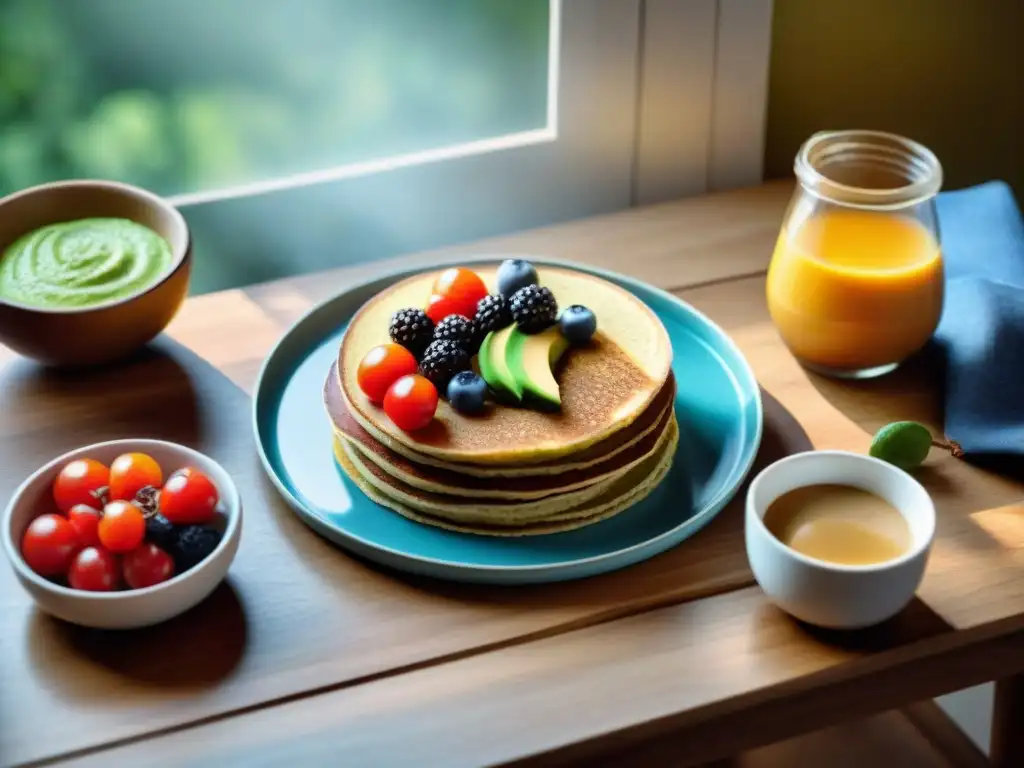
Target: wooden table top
[{"x": 337, "y": 658}]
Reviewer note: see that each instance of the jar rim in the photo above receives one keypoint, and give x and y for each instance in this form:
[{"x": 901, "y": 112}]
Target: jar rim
[{"x": 899, "y": 155}]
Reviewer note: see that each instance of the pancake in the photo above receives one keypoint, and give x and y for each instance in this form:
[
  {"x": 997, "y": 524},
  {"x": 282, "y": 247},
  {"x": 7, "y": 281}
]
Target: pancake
[
  {"x": 454, "y": 484},
  {"x": 344, "y": 422},
  {"x": 605, "y": 385},
  {"x": 492, "y": 511},
  {"x": 526, "y": 488},
  {"x": 632, "y": 488},
  {"x": 625, "y": 448}
]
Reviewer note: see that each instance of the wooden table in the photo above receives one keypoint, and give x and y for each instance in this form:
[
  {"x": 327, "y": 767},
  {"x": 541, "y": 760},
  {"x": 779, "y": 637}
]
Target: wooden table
[{"x": 315, "y": 658}]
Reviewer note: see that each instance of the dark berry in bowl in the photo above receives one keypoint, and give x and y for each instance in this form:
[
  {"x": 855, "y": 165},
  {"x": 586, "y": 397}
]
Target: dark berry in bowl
[
  {"x": 442, "y": 360},
  {"x": 514, "y": 274},
  {"x": 577, "y": 324},
  {"x": 467, "y": 392},
  {"x": 412, "y": 329},
  {"x": 456, "y": 329},
  {"x": 192, "y": 544},
  {"x": 160, "y": 531},
  {"x": 534, "y": 308}
]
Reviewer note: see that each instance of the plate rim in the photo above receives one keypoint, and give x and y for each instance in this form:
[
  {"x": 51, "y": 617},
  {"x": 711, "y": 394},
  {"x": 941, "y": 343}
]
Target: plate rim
[{"x": 427, "y": 565}]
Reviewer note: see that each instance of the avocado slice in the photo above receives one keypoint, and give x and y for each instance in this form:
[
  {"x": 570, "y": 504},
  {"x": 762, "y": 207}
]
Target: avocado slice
[
  {"x": 493, "y": 362},
  {"x": 531, "y": 357}
]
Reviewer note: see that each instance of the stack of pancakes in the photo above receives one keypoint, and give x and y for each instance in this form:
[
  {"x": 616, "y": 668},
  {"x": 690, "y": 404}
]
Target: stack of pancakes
[{"x": 516, "y": 471}]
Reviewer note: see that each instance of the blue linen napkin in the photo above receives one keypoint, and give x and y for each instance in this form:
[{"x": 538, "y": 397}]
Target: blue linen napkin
[{"x": 981, "y": 334}]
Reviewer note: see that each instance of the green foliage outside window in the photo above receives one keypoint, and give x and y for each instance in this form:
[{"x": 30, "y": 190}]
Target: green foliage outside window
[{"x": 187, "y": 95}]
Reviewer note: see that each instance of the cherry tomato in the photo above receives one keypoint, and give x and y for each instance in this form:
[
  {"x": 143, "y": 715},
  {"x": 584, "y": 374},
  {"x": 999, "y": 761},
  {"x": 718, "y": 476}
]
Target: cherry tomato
[
  {"x": 122, "y": 526},
  {"x": 94, "y": 569},
  {"x": 131, "y": 472},
  {"x": 82, "y": 481},
  {"x": 411, "y": 402},
  {"x": 439, "y": 307},
  {"x": 460, "y": 283},
  {"x": 188, "y": 498},
  {"x": 85, "y": 520},
  {"x": 147, "y": 565},
  {"x": 383, "y": 366},
  {"x": 49, "y": 544},
  {"x": 456, "y": 291}
]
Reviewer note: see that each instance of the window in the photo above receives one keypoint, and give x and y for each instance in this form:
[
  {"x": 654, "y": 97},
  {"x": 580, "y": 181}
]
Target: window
[
  {"x": 197, "y": 96},
  {"x": 304, "y": 134}
]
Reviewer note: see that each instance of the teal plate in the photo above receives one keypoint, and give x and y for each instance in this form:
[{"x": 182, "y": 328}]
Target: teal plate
[{"x": 718, "y": 405}]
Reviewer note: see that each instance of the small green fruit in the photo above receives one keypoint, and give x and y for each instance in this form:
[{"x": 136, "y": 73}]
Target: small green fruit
[{"x": 903, "y": 443}]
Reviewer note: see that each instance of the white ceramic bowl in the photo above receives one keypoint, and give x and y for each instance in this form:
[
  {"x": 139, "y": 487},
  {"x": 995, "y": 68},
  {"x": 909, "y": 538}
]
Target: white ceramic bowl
[
  {"x": 129, "y": 608},
  {"x": 827, "y": 594}
]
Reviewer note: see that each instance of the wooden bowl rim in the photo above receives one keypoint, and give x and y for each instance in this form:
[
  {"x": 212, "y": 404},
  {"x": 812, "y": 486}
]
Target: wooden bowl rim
[{"x": 179, "y": 257}]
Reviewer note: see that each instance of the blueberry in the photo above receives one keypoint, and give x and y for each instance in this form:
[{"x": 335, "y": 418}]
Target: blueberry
[
  {"x": 514, "y": 274},
  {"x": 467, "y": 392},
  {"x": 577, "y": 324}
]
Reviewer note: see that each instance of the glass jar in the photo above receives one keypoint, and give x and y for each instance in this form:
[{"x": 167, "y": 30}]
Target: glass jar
[{"x": 856, "y": 281}]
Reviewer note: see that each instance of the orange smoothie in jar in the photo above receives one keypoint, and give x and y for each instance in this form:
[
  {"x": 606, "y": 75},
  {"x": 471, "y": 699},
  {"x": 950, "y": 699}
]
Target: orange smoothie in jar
[{"x": 853, "y": 289}]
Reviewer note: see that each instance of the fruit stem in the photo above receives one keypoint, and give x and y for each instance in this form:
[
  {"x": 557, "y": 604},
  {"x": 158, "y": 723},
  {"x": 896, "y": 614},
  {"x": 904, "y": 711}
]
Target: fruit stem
[
  {"x": 949, "y": 445},
  {"x": 101, "y": 494}
]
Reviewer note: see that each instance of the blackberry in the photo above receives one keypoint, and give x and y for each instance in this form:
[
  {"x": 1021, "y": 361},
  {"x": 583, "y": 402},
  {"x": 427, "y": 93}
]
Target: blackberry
[
  {"x": 492, "y": 314},
  {"x": 456, "y": 329},
  {"x": 476, "y": 339},
  {"x": 442, "y": 360},
  {"x": 534, "y": 308},
  {"x": 412, "y": 329},
  {"x": 192, "y": 544},
  {"x": 160, "y": 531}
]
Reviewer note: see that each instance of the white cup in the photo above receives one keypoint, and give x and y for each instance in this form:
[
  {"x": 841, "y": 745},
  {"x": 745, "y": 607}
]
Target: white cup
[{"x": 829, "y": 594}]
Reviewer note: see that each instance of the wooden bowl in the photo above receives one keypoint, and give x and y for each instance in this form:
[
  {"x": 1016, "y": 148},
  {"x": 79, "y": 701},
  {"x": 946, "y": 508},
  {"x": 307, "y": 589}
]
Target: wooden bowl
[{"x": 105, "y": 332}]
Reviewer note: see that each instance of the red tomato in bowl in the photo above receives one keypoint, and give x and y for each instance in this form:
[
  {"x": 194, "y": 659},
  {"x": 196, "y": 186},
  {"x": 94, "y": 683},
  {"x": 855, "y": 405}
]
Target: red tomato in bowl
[
  {"x": 147, "y": 565},
  {"x": 94, "y": 569},
  {"x": 82, "y": 481},
  {"x": 48, "y": 545},
  {"x": 130, "y": 473},
  {"x": 189, "y": 498},
  {"x": 86, "y": 522},
  {"x": 122, "y": 526}
]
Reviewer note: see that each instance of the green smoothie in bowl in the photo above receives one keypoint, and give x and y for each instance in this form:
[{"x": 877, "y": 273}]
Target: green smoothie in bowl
[{"x": 83, "y": 263}]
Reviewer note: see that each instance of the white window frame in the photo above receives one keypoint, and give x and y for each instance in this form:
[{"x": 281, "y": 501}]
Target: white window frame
[{"x": 648, "y": 100}]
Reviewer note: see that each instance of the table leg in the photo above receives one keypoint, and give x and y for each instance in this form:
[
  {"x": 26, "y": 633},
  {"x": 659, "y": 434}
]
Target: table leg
[{"x": 1008, "y": 723}]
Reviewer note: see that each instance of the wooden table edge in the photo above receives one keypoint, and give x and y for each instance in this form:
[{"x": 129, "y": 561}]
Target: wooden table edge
[
  {"x": 795, "y": 707},
  {"x": 837, "y": 692}
]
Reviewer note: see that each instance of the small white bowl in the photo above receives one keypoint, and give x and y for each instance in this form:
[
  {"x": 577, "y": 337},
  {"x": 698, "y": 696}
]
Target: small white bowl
[
  {"x": 130, "y": 608},
  {"x": 828, "y": 594}
]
